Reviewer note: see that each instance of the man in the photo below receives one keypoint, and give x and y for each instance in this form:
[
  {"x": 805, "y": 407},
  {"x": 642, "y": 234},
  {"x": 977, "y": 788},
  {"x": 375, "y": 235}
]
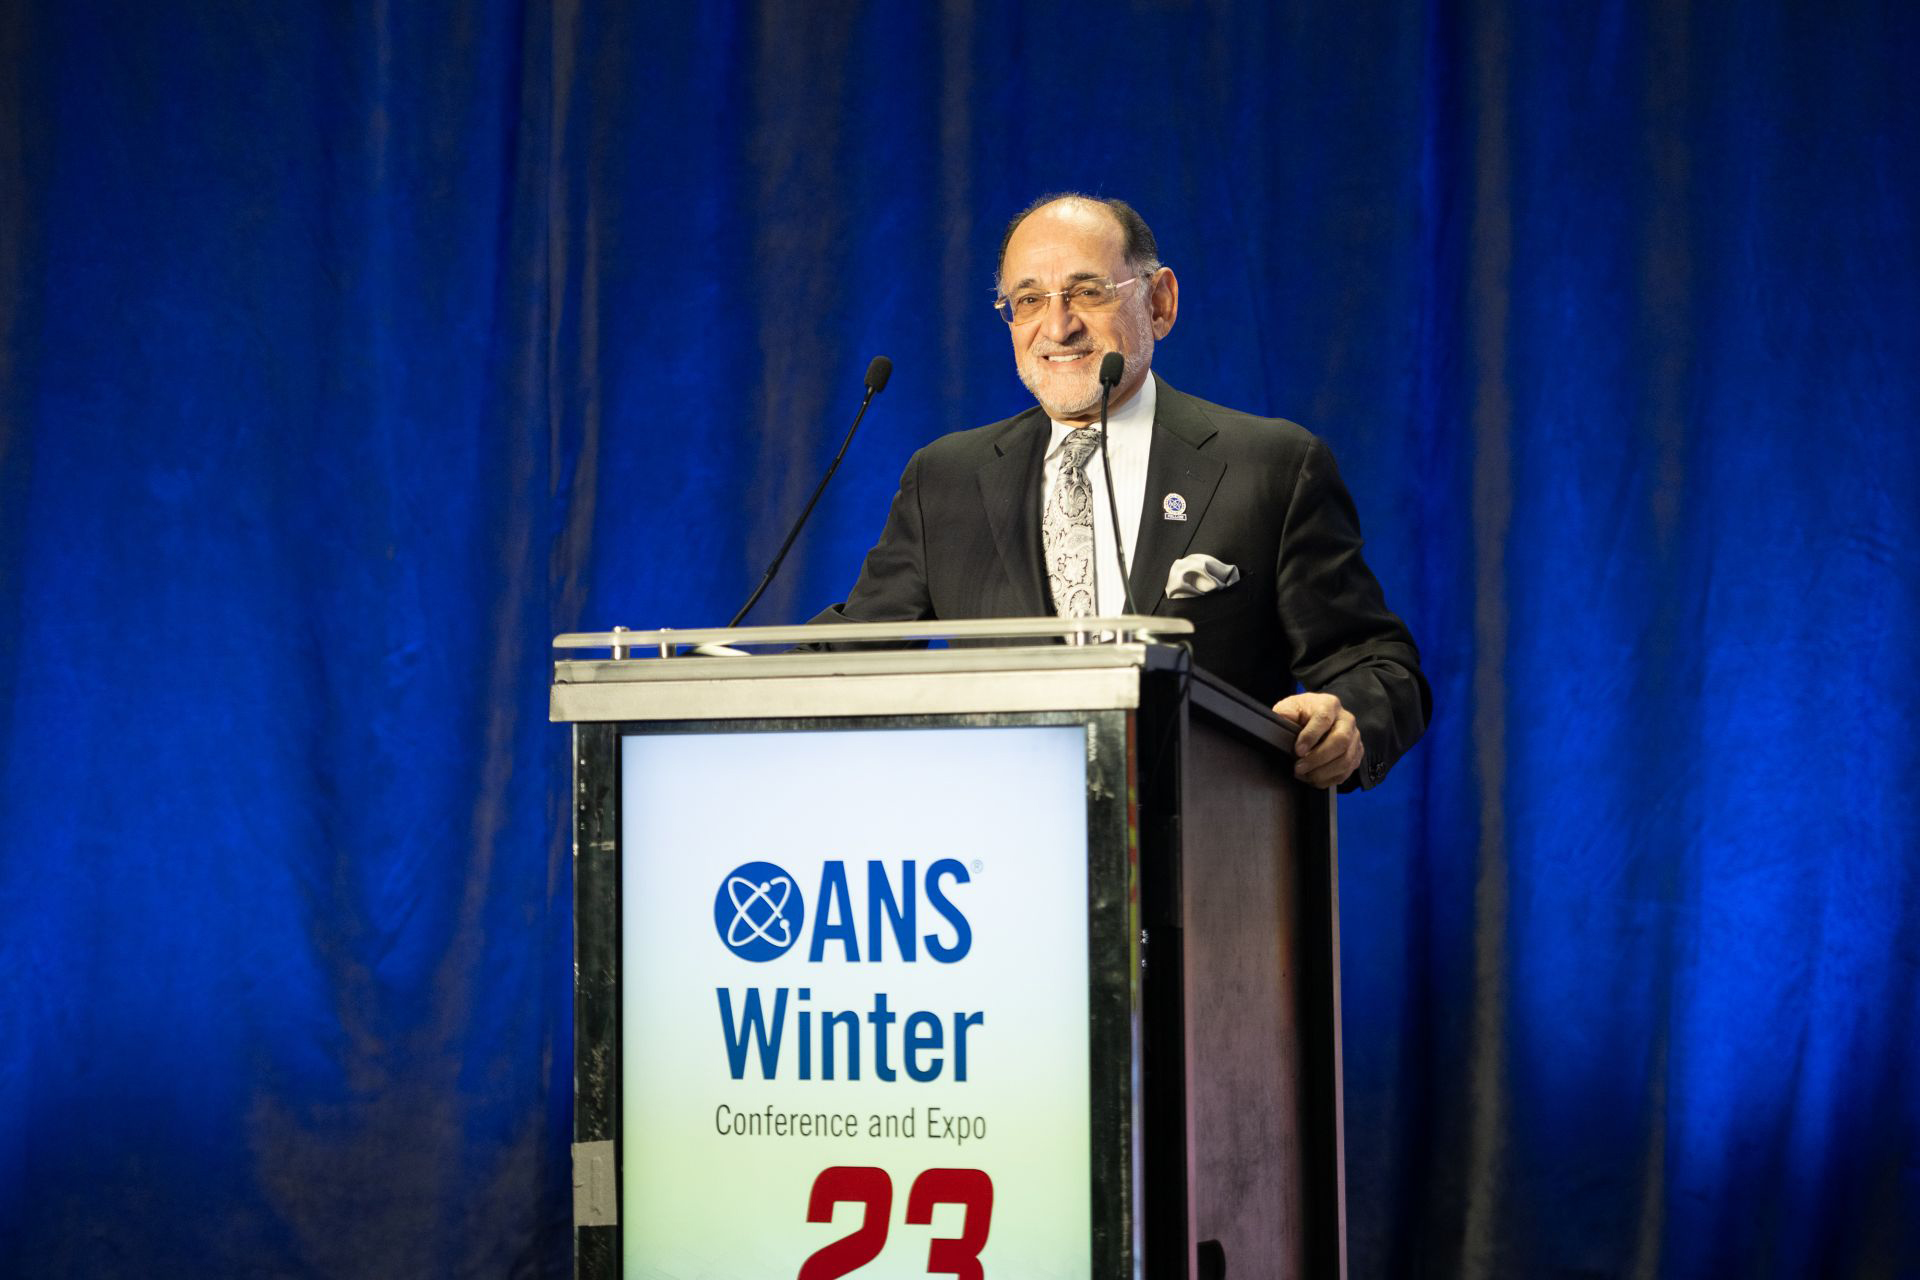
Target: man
[{"x": 1010, "y": 520}]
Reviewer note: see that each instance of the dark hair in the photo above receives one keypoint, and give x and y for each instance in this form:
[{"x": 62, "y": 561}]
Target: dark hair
[{"x": 1141, "y": 251}]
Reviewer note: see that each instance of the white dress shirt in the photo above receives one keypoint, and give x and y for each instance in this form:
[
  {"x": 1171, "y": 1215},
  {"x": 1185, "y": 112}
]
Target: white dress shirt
[{"x": 1129, "y": 441}]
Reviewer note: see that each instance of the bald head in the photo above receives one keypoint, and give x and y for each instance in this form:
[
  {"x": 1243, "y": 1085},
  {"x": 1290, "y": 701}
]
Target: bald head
[{"x": 1137, "y": 245}]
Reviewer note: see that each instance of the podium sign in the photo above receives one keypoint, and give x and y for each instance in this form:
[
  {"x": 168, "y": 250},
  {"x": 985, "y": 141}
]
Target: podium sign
[{"x": 854, "y": 1002}]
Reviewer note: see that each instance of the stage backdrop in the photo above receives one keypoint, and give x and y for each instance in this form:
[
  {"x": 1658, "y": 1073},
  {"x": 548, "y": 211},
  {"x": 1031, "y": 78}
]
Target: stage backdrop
[{"x": 350, "y": 352}]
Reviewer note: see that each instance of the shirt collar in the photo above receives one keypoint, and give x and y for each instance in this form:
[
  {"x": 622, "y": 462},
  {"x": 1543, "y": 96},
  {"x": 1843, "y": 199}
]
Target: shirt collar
[{"x": 1130, "y": 419}]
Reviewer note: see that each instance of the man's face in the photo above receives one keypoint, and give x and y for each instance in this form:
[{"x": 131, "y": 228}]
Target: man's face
[{"x": 1059, "y": 355}]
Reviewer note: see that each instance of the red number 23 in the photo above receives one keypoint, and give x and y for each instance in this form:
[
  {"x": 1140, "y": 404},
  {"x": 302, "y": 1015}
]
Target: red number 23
[{"x": 863, "y": 1184}]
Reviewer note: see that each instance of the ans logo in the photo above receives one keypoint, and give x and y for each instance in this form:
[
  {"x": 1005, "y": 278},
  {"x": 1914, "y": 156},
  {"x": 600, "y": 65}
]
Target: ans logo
[
  {"x": 759, "y": 911},
  {"x": 894, "y": 912}
]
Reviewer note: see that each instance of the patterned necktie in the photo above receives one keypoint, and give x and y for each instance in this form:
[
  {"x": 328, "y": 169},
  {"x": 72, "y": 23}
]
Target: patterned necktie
[{"x": 1066, "y": 532}]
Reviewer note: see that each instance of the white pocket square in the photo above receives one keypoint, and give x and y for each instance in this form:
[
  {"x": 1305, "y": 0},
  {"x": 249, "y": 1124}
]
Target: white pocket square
[{"x": 1198, "y": 575}]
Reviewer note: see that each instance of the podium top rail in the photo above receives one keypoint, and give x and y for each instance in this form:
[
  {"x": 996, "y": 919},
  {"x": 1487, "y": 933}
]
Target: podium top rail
[
  {"x": 877, "y": 669},
  {"x": 664, "y": 642},
  {"x": 863, "y": 669}
]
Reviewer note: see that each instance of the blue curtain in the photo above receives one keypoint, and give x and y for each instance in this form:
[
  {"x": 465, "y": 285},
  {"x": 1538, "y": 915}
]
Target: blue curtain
[{"x": 351, "y": 352}]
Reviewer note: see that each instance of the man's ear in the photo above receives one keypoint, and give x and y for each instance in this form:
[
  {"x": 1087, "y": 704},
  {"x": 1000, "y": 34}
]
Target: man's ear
[{"x": 1163, "y": 302}]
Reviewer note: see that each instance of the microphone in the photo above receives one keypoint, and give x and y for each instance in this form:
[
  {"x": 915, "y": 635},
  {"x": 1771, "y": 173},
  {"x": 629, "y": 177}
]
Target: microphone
[
  {"x": 1112, "y": 365},
  {"x": 877, "y": 374}
]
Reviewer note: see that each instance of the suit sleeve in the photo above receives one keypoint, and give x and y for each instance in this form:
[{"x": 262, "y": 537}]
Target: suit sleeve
[
  {"x": 892, "y": 586},
  {"x": 1344, "y": 640}
]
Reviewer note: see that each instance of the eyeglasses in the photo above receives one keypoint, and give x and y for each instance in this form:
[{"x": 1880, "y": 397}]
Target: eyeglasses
[{"x": 1028, "y": 305}]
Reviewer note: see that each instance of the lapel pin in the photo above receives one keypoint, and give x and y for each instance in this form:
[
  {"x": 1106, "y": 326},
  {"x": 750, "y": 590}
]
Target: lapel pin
[{"x": 1173, "y": 507}]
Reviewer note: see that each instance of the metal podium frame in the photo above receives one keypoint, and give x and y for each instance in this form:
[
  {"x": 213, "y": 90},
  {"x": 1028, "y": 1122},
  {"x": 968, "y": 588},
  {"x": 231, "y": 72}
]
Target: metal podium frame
[{"x": 1154, "y": 724}]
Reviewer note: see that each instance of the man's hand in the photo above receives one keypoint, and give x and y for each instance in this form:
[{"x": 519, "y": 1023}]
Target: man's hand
[{"x": 1329, "y": 744}]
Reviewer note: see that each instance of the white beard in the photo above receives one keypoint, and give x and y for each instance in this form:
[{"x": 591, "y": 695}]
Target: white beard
[{"x": 1065, "y": 398}]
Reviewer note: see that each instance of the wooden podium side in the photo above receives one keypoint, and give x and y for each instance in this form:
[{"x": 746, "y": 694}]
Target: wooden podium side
[{"x": 1244, "y": 1055}]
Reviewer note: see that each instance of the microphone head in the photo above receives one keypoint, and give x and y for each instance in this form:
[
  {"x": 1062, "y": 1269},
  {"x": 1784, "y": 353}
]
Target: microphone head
[
  {"x": 1112, "y": 365},
  {"x": 877, "y": 374}
]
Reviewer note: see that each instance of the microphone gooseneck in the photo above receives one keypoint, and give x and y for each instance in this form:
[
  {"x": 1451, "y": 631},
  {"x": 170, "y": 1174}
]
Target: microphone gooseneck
[
  {"x": 878, "y": 372},
  {"x": 1112, "y": 365}
]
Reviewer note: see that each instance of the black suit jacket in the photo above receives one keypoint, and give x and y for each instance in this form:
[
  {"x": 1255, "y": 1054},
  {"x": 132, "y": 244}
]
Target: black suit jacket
[{"x": 963, "y": 541}]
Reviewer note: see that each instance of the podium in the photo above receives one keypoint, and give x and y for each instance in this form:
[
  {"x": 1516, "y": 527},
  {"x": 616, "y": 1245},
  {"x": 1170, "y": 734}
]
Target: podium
[{"x": 1015, "y": 956}]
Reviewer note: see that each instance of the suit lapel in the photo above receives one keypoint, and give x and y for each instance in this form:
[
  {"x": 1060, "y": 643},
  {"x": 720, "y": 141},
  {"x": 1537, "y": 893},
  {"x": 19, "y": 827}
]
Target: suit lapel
[
  {"x": 1010, "y": 489},
  {"x": 1174, "y": 465}
]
